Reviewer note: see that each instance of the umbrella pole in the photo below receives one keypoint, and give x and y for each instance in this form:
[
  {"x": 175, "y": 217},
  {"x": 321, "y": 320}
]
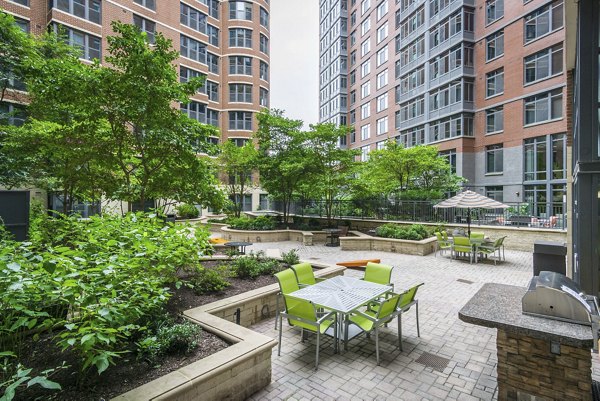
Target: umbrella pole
[{"x": 469, "y": 221}]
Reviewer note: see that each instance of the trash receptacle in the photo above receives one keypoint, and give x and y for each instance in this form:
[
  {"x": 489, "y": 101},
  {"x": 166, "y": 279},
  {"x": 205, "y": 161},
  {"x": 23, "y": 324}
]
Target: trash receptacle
[{"x": 549, "y": 256}]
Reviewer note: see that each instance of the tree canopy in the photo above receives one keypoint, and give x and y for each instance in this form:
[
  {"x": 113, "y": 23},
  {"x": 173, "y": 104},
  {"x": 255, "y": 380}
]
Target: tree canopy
[{"x": 236, "y": 163}]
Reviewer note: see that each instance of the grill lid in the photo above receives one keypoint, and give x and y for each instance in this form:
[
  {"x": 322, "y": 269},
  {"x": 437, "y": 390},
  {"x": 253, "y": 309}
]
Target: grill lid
[{"x": 555, "y": 296}]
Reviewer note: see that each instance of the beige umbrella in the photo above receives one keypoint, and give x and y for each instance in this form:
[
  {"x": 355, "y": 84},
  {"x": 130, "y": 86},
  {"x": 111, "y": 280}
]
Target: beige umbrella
[{"x": 470, "y": 200}]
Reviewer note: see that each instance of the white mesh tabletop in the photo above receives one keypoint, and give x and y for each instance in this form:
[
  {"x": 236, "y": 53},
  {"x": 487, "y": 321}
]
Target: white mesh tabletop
[{"x": 341, "y": 294}]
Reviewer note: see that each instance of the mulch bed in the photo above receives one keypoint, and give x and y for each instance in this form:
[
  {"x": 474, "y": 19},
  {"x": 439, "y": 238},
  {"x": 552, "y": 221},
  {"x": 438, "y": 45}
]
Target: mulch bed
[{"x": 129, "y": 372}]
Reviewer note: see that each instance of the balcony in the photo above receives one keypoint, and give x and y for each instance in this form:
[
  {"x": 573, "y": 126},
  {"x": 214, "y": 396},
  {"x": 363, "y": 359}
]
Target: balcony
[
  {"x": 452, "y": 41},
  {"x": 419, "y": 90},
  {"x": 411, "y": 122},
  {"x": 455, "y": 5},
  {"x": 411, "y": 9},
  {"x": 451, "y": 109},
  {"x": 451, "y": 75},
  {"x": 412, "y": 65}
]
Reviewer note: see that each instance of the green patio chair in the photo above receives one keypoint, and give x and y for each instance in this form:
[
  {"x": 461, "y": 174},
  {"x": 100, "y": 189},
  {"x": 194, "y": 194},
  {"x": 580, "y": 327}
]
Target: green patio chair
[
  {"x": 407, "y": 300},
  {"x": 305, "y": 275},
  {"x": 442, "y": 244},
  {"x": 372, "y": 320},
  {"x": 287, "y": 284},
  {"x": 303, "y": 314},
  {"x": 463, "y": 244},
  {"x": 491, "y": 249},
  {"x": 379, "y": 273},
  {"x": 477, "y": 237}
]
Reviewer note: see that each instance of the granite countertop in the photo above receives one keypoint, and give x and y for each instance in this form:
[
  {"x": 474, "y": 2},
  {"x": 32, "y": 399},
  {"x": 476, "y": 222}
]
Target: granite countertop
[{"x": 499, "y": 306}]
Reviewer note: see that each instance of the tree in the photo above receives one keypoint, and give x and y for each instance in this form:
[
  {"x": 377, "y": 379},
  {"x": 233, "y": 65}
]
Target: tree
[
  {"x": 283, "y": 160},
  {"x": 16, "y": 49},
  {"x": 418, "y": 171},
  {"x": 332, "y": 166},
  {"x": 152, "y": 143},
  {"x": 237, "y": 163}
]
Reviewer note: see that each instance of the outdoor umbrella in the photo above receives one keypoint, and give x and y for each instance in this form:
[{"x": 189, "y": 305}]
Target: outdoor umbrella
[{"x": 470, "y": 200}]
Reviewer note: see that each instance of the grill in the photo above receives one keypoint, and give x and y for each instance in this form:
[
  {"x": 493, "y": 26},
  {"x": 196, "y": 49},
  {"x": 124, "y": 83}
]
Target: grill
[{"x": 555, "y": 296}]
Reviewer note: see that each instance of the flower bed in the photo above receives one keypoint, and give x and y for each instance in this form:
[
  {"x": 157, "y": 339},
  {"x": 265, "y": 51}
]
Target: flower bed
[{"x": 365, "y": 242}]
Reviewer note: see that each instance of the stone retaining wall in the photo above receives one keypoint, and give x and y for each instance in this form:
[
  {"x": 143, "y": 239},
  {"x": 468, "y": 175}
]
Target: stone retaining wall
[
  {"x": 367, "y": 243},
  {"x": 305, "y": 237},
  {"x": 236, "y": 372}
]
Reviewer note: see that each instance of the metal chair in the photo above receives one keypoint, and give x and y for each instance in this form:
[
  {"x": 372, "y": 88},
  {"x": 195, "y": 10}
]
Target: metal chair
[
  {"x": 407, "y": 300},
  {"x": 490, "y": 249},
  {"x": 442, "y": 244},
  {"x": 305, "y": 274},
  {"x": 372, "y": 320},
  {"x": 303, "y": 314},
  {"x": 379, "y": 273},
  {"x": 463, "y": 244},
  {"x": 287, "y": 284}
]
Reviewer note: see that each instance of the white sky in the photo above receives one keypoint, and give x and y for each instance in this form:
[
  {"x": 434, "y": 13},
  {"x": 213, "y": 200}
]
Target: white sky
[{"x": 295, "y": 58}]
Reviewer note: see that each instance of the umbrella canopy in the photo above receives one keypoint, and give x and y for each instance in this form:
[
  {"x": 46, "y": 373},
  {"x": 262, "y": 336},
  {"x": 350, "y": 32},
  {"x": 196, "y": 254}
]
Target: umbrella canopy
[{"x": 470, "y": 200}]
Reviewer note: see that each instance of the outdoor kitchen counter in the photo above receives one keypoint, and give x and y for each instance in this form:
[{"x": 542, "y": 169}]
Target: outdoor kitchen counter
[
  {"x": 538, "y": 358},
  {"x": 499, "y": 306}
]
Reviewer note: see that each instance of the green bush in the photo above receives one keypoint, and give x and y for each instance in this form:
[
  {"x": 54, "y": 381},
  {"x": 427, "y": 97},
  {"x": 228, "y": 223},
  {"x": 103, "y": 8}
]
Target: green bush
[
  {"x": 209, "y": 280},
  {"x": 260, "y": 223},
  {"x": 92, "y": 282},
  {"x": 187, "y": 211},
  {"x": 291, "y": 257},
  {"x": 253, "y": 266},
  {"x": 415, "y": 232},
  {"x": 170, "y": 339}
]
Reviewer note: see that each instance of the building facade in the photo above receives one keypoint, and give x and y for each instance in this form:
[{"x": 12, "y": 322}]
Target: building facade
[
  {"x": 225, "y": 41},
  {"x": 483, "y": 80}
]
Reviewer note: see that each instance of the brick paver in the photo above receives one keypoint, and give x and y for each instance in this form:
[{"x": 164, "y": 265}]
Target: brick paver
[{"x": 354, "y": 375}]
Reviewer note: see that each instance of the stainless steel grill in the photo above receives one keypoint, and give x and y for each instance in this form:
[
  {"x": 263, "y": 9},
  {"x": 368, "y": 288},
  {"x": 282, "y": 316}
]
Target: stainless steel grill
[{"x": 555, "y": 296}]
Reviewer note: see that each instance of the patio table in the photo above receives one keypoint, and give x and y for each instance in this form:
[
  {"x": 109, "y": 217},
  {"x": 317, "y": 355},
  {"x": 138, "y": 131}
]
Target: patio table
[{"x": 342, "y": 295}]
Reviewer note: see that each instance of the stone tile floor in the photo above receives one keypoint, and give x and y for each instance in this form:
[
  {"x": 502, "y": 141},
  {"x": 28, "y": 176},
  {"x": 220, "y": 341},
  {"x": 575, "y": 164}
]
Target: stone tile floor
[{"x": 354, "y": 375}]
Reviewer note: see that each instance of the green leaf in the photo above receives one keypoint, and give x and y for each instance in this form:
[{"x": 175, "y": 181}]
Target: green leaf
[
  {"x": 88, "y": 337},
  {"x": 14, "y": 266},
  {"x": 101, "y": 363},
  {"x": 70, "y": 326},
  {"x": 44, "y": 382}
]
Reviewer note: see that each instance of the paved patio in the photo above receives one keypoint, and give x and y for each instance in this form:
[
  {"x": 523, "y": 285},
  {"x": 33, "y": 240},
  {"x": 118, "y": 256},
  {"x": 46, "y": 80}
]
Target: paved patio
[{"x": 470, "y": 350}]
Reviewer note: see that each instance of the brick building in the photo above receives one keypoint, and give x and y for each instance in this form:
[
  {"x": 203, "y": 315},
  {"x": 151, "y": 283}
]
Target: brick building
[
  {"x": 227, "y": 41},
  {"x": 484, "y": 80}
]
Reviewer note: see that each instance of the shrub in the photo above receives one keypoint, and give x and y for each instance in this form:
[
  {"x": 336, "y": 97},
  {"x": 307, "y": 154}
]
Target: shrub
[
  {"x": 187, "y": 211},
  {"x": 170, "y": 339},
  {"x": 291, "y": 257},
  {"x": 415, "y": 232},
  {"x": 209, "y": 280},
  {"x": 246, "y": 267},
  {"x": 259, "y": 223}
]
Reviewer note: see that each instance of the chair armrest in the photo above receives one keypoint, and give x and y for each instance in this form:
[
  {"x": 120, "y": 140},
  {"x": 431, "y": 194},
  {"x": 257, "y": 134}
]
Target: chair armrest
[
  {"x": 319, "y": 279},
  {"x": 326, "y": 316},
  {"x": 303, "y": 285},
  {"x": 371, "y": 318}
]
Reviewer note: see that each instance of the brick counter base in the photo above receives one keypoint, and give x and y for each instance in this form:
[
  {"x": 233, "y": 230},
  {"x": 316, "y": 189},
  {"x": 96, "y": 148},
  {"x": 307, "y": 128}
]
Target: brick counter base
[{"x": 528, "y": 371}]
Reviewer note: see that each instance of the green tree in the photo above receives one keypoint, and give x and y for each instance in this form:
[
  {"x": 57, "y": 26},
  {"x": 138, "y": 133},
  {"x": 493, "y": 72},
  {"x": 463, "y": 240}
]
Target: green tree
[
  {"x": 236, "y": 164},
  {"x": 283, "y": 160},
  {"x": 332, "y": 166},
  {"x": 152, "y": 143},
  {"x": 417, "y": 171}
]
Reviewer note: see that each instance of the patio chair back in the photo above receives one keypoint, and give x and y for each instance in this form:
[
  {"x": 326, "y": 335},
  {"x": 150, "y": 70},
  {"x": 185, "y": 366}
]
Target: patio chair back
[
  {"x": 378, "y": 273},
  {"x": 462, "y": 244},
  {"x": 439, "y": 236},
  {"x": 304, "y": 273},
  {"x": 388, "y": 306},
  {"x": 445, "y": 235},
  {"x": 407, "y": 299},
  {"x": 477, "y": 236},
  {"x": 305, "y": 310},
  {"x": 287, "y": 281},
  {"x": 499, "y": 242}
]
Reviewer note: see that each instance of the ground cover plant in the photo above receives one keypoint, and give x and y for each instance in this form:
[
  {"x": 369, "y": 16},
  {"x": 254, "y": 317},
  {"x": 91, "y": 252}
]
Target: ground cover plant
[
  {"x": 90, "y": 286},
  {"x": 415, "y": 232},
  {"x": 259, "y": 223}
]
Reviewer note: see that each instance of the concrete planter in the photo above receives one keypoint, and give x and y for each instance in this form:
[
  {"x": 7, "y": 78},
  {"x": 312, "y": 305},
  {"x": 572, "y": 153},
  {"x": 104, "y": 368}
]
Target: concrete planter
[
  {"x": 367, "y": 243},
  {"x": 236, "y": 372},
  {"x": 305, "y": 237}
]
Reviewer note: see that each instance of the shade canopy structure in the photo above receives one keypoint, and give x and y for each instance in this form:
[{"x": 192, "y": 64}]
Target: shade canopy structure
[{"x": 470, "y": 200}]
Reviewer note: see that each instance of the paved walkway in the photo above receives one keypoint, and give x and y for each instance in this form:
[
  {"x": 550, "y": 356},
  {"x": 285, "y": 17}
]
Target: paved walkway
[{"x": 469, "y": 350}]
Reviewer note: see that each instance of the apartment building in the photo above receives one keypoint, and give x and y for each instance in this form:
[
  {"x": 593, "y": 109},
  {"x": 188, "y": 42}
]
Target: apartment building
[
  {"x": 481, "y": 79},
  {"x": 225, "y": 41}
]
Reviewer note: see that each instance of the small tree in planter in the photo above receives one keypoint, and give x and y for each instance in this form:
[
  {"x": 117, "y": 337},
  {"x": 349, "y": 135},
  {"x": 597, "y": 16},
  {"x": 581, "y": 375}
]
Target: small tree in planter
[{"x": 237, "y": 163}]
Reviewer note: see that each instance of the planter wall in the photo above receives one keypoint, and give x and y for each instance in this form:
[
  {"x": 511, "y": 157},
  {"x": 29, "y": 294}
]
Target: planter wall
[
  {"x": 305, "y": 237},
  {"x": 368, "y": 243},
  {"x": 236, "y": 372}
]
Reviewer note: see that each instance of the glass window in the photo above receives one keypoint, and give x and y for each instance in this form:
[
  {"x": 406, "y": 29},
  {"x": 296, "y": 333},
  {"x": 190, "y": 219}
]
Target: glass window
[
  {"x": 89, "y": 45},
  {"x": 544, "y": 64},
  {"x": 264, "y": 17},
  {"x": 535, "y": 159},
  {"x": 543, "y": 107},
  {"x": 22, "y": 2},
  {"x": 240, "y": 65},
  {"x": 382, "y": 125},
  {"x": 87, "y": 9},
  {"x": 264, "y": 71},
  {"x": 264, "y": 44},
  {"x": 240, "y": 37},
  {"x": 264, "y": 97},
  {"x": 146, "y": 26},
  {"x": 494, "y": 45},
  {"x": 192, "y": 49},
  {"x": 146, "y": 3},
  {"x": 240, "y": 120},
  {"x": 240, "y": 93},
  {"x": 495, "y": 192},
  {"x": 195, "y": 110},
  {"x": 365, "y": 132},
  {"x": 494, "y": 10},
  {"x": 493, "y": 159},
  {"x": 495, "y": 82},
  {"x": 544, "y": 20},
  {"x": 213, "y": 62},
  {"x": 12, "y": 114},
  {"x": 240, "y": 10},
  {"x": 451, "y": 156},
  {"x": 494, "y": 119},
  {"x": 192, "y": 18}
]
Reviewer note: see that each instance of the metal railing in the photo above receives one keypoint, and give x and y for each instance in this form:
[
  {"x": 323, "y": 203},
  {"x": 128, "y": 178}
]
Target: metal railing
[{"x": 523, "y": 214}]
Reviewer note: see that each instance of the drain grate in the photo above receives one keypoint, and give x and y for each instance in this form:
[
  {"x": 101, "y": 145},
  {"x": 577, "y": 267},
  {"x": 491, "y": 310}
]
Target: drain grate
[
  {"x": 313, "y": 258},
  {"x": 462, "y": 280},
  {"x": 433, "y": 361}
]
